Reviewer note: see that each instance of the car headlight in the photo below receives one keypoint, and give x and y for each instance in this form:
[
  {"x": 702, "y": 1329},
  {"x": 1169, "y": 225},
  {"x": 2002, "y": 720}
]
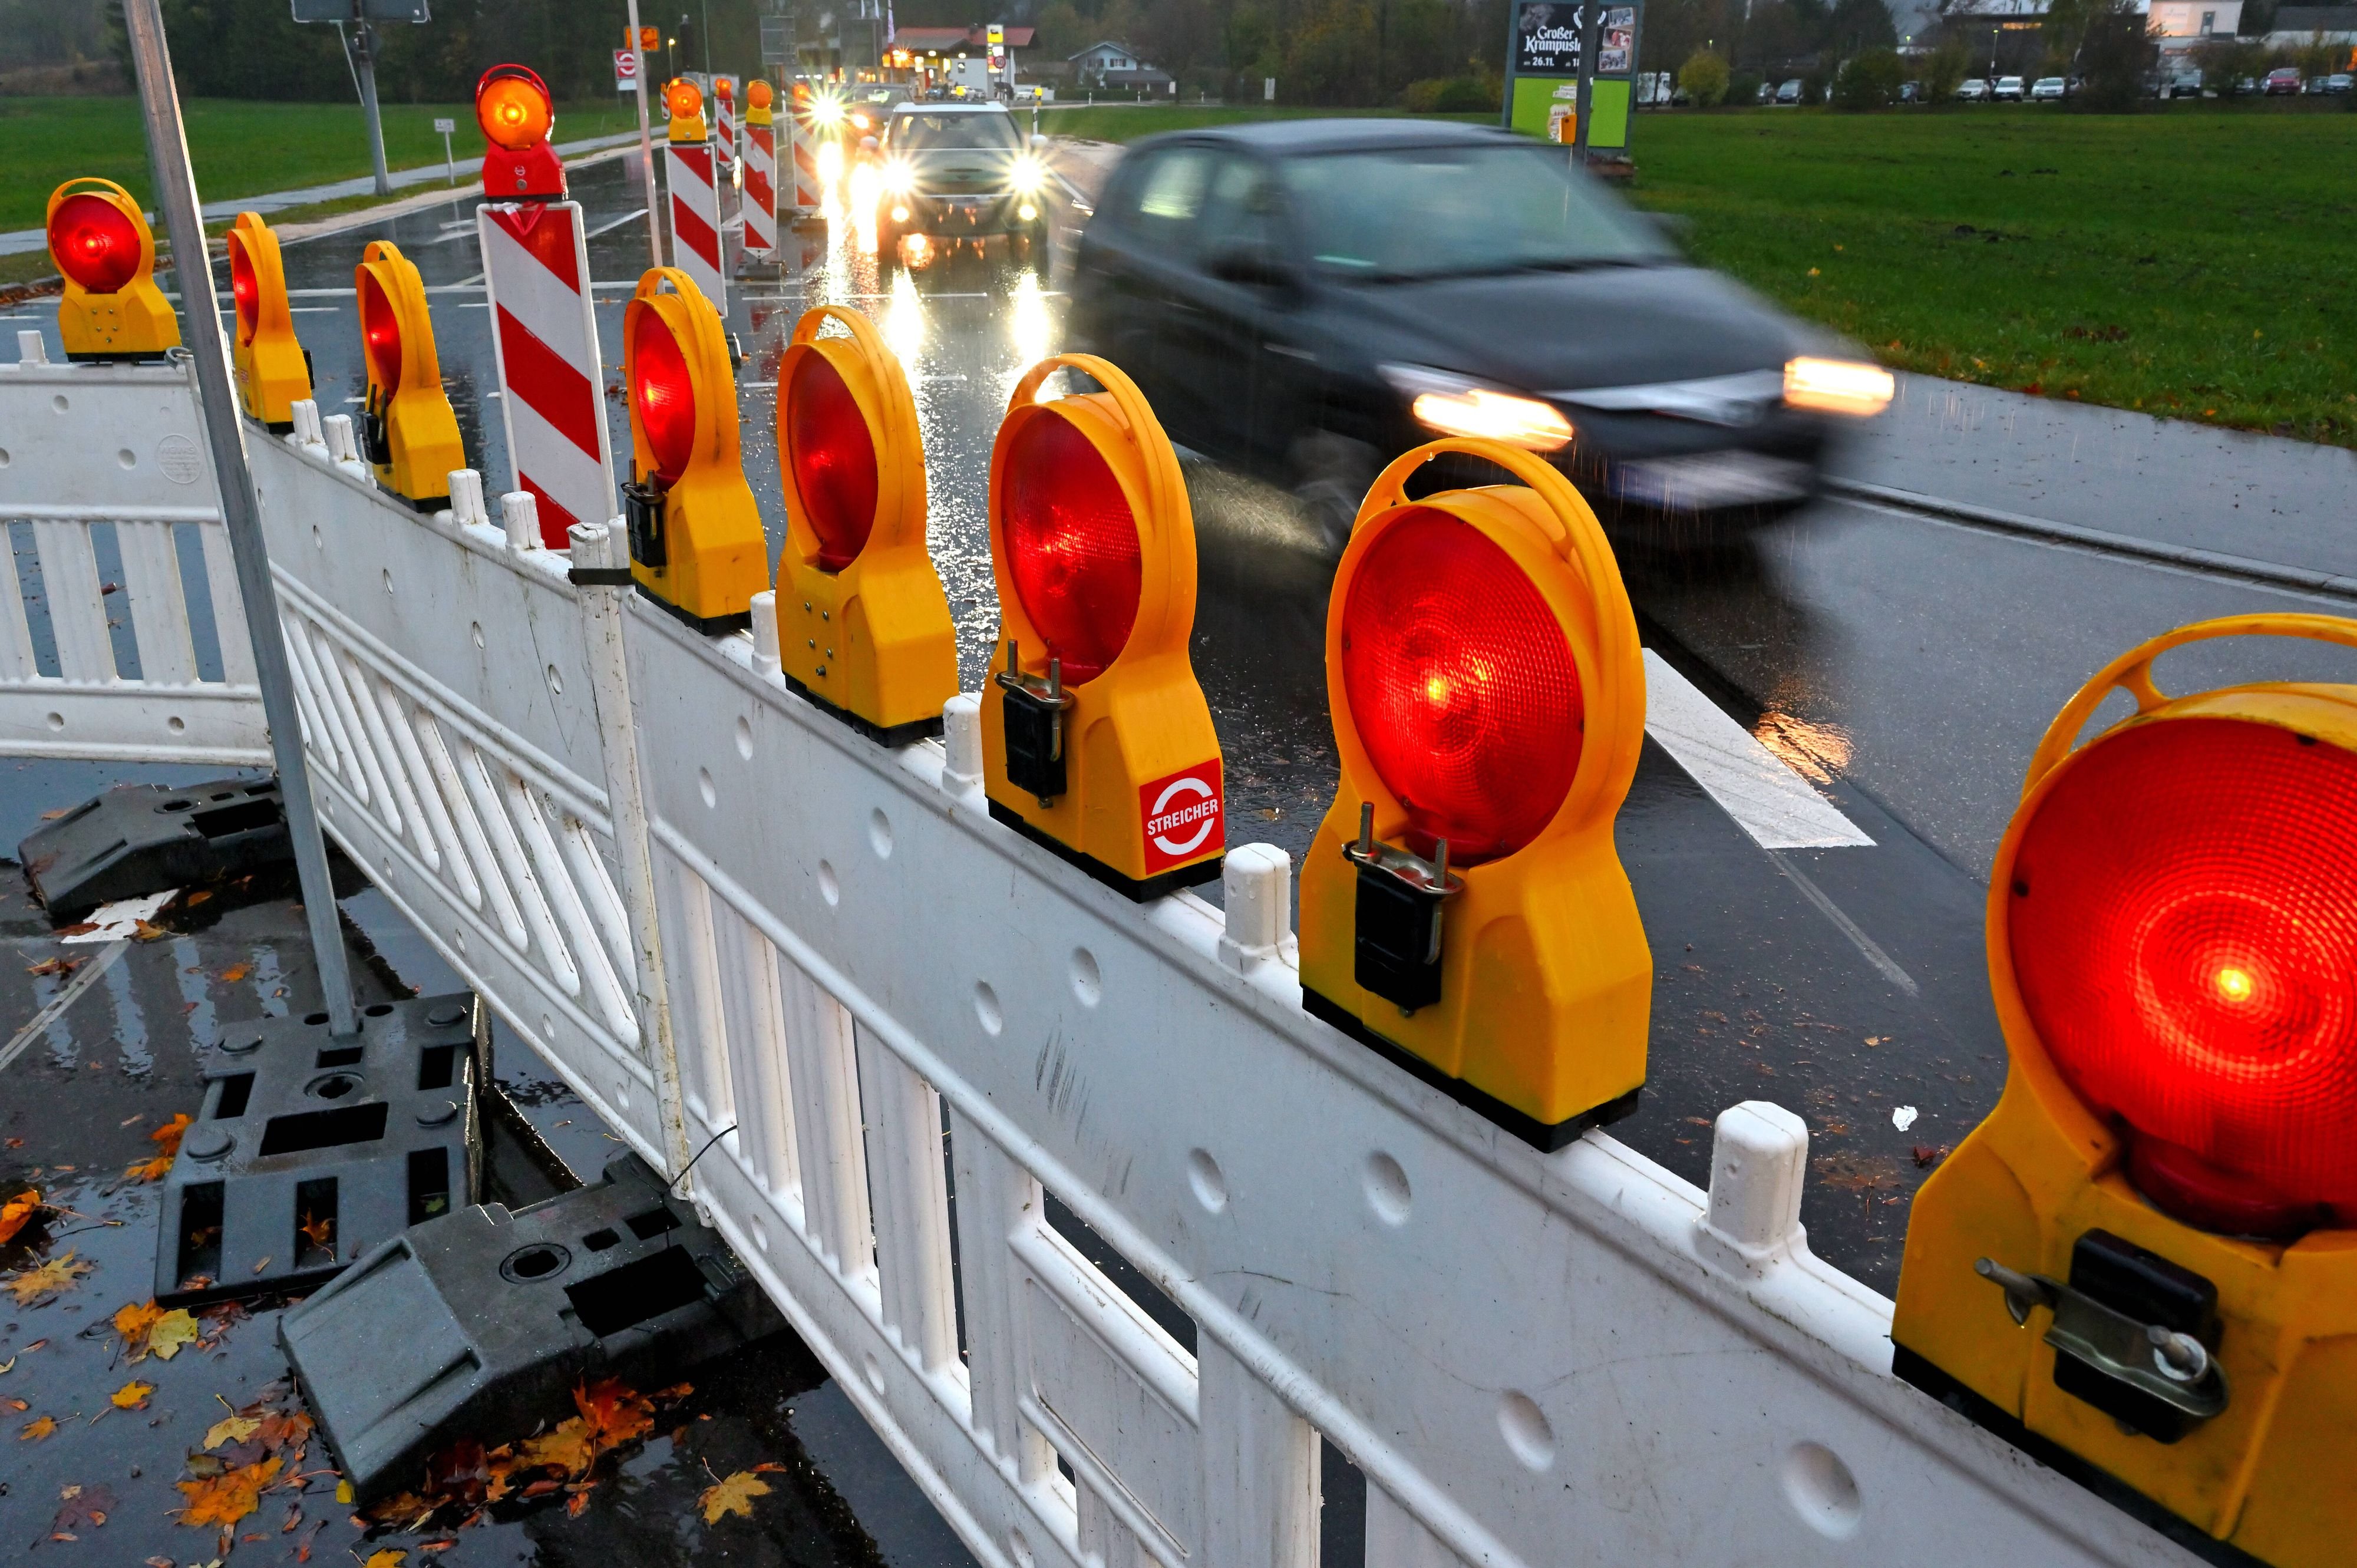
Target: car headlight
[
  {"x": 1837, "y": 386},
  {"x": 899, "y": 178},
  {"x": 826, "y": 110},
  {"x": 1455, "y": 405},
  {"x": 1027, "y": 176}
]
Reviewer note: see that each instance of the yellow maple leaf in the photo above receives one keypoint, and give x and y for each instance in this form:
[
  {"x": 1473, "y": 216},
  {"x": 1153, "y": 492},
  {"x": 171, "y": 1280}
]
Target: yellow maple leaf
[
  {"x": 155, "y": 1169},
  {"x": 387, "y": 1557},
  {"x": 225, "y": 1498},
  {"x": 172, "y": 1330},
  {"x": 235, "y": 972},
  {"x": 319, "y": 1232},
  {"x": 231, "y": 1429},
  {"x": 132, "y": 1395},
  {"x": 734, "y": 1495},
  {"x": 133, "y": 1320},
  {"x": 17, "y": 1212},
  {"x": 616, "y": 1411},
  {"x": 566, "y": 1446},
  {"x": 30, "y": 1286},
  {"x": 40, "y": 1426}
]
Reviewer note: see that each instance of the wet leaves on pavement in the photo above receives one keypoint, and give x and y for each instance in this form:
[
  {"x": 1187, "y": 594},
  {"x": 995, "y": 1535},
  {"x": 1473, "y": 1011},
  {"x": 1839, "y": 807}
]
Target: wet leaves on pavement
[
  {"x": 35, "y": 1284},
  {"x": 17, "y": 1213},
  {"x": 33, "y": 1431},
  {"x": 80, "y": 1508},
  {"x": 132, "y": 1395},
  {"x": 225, "y": 1498},
  {"x": 167, "y": 1139},
  {"x": 148, "y": 1330},
  {"x": 734, "y": 1495}
]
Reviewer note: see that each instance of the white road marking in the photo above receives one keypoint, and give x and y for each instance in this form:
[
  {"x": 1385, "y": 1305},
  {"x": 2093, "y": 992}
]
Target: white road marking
[{"x": 1775, "y": 805}]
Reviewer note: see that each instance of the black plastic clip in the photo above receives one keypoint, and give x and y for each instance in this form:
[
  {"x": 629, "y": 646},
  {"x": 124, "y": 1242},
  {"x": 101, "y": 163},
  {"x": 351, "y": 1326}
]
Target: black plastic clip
[
  {"x": 1034, "y": 710},
  {"x": 1396, "y": 953},
  {"x": 376, "y": 434},
  {"x": 642, "y": 505}
]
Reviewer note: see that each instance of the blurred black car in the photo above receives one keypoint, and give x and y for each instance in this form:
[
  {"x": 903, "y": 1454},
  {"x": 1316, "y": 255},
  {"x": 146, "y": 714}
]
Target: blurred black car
[
  {"x": 1306, "y": 300},
  {"x": 956, "y": 170}
]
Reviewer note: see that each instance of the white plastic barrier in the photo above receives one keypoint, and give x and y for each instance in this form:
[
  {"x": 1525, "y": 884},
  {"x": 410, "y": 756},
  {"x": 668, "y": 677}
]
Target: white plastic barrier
[
  {"x": 88, "y": 452},
  {"x": 720, "y": 914}
]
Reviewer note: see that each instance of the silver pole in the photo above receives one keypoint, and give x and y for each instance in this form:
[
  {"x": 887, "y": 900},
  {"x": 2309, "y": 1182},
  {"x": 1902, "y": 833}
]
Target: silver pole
[
  {"x": 176, "y": 194},
  {"x": 647, "y": 147},
  {"x": 367, "y": 53}
]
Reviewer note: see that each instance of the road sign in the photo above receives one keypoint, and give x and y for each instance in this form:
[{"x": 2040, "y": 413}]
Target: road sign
[
  {"x": 626, "y": 70},
  {"x": 361, "y": 10},
  {"x": 777, "y": 40}
]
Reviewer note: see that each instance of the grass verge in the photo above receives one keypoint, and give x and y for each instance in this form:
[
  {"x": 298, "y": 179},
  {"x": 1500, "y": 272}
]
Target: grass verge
[
  {"x": 239, "y": 148},
  {"x": 2184, "y": 264}
]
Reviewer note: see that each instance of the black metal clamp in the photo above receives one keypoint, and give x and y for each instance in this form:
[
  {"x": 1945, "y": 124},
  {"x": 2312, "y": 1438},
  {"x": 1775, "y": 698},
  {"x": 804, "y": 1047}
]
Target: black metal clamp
[
  {"x": 2156, "y": 1377},
  {"x": 642, "y": 507},
  {"x": 1034, "y": 712},
  {"x": 1400, "y": 895}
]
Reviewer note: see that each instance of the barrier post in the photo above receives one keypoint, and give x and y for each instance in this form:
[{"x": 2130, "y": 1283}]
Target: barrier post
[{"x": 690, "y": 173}]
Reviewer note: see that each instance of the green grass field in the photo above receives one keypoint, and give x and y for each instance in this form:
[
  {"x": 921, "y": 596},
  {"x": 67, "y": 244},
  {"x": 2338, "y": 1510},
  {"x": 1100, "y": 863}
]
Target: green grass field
[
  {"x": 239, "y": 148},
  {"x": 2192, "y": 263}
]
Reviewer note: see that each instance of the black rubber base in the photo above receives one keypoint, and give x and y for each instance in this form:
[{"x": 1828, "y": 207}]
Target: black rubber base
[
  {"x": 425, "y": 506},
  {"x": 1549, "y": 1136},
  {"x": 893, "y": 736},
  {"x": 1129, "y": 887},
  {"x": 1913, "y": 1369},
  {"x": 710, "y": 626},
  {"x": 112, "y": 359}
]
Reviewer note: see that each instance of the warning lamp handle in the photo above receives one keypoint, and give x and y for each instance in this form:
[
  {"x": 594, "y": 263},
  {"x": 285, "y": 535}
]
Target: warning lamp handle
[
  {"x": 1137, "y": 414},
  {"x": 58, "y": 197},
  {"x": 2132, "y": 673}
]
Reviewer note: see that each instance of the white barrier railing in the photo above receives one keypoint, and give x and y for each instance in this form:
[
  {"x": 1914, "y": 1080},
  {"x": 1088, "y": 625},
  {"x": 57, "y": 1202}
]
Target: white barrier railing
[
  {"x": 1534, "y": 1359},
  {"x": 113, "y": 463}
]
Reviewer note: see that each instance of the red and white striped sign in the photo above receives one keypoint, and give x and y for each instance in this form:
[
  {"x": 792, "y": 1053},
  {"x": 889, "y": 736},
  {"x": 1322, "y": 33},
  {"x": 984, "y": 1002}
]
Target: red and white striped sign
[
  {"x": 807, "y": 199},
  {"x": 724, "y": 130},
  {"x": 552, "y": 379},
  {"x": 761, "y": 189},
  {"x": 695, "y": 219}
]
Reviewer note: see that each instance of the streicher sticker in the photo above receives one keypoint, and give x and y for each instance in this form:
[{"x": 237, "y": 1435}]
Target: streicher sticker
[{"x": 1183, "y": 816}]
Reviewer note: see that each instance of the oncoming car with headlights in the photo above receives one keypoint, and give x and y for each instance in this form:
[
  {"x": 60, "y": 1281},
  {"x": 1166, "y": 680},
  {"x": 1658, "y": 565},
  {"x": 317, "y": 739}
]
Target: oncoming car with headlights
[
  {"x": 958, "y": 171},
  {"x": 1304, "y": 300}
]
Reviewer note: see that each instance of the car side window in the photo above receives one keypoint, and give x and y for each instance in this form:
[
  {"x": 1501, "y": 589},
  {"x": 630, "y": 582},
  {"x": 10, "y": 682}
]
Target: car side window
[
  {"x": 1243, "y": 205},
  {"x": 1164, "y": 200}
]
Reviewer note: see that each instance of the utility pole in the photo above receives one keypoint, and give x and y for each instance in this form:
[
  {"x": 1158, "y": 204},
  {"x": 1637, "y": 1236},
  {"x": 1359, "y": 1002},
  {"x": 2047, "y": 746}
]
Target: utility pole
[
  {"x": 364, "y": 55},
  {"x": 176, "y": 195},
  {"x": 1591, "y": 15},
  {"x": 646, "y": 142}
]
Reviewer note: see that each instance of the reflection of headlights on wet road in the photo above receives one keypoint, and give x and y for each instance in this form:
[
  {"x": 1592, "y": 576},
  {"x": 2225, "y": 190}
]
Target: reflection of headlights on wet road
[
  {"x": 1027, "y": 176},
  {"x": 1837, "y": 386},
  {"x": 830, "y": 161},
  {"x": 1456, "y": 406}
]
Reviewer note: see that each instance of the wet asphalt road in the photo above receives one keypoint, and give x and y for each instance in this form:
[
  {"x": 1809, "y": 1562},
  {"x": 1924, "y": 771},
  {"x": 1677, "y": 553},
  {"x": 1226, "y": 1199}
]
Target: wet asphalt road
[{"x": 1904, "y": 666}]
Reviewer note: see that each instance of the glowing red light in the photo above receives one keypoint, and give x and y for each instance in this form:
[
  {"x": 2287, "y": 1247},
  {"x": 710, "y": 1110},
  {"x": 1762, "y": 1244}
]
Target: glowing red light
[
  {"x": 1072, "y": 545},
  {"x": 833, "y": 459},
  {"x": 1461, "y": 686},
  {"x": 379, "y": 332},
  {"x": 243, "y": 287},
  {"x": 2184, "y": 930},
  {"x": 665, "y": 395},
  {"x": 94, "y": 242}
]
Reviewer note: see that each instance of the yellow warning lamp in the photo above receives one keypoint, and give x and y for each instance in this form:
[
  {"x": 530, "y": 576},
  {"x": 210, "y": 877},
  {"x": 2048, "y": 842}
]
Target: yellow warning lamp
[
  {"x": 864, "y": 629},
  {"x": 1098, "y": 745},
  {"x": 2143, "y": 1265},
  {"x": 111, "y": 308},
  {"x": 696, "y": 547},
  {"x": 1463, "y": 909},
  {"x": 408, "y": 433},
  {"x": 759, "y": 96},
  {"x": 723, "y": 88},
  {"x": 512, "y": 106},
  {"x": 686, "y": 106},
  {"x": 273, "y": 371}
]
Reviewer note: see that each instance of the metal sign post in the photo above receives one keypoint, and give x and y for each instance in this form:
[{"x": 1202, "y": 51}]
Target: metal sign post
[
  {"x": 449, "y": 159},
  {"x": 646, "y": 143},
  {"x": 362, "y": 49},
  {"x": 176, "y": 193}
]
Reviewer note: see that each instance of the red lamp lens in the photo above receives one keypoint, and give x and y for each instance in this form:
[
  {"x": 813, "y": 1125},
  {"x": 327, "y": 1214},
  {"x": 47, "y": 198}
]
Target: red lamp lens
[
  {"x": 665, "y": 395},
  {"x": 1072, "y": 545},
  {"x": 243, "y": 287},
  {"x": 94, "y": 242},
  {"x": 379, "y": 332},
  {"x": 833, "y": 459},
  {"x": 1461, "y": 686},
  {"x": 2183, "y": 925}
]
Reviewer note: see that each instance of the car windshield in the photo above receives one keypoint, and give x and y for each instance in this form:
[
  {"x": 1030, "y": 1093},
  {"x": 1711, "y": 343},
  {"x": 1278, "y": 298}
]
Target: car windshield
[
  {"x": 1415, "y": 212},
  {"x": 933, "y": 133}
]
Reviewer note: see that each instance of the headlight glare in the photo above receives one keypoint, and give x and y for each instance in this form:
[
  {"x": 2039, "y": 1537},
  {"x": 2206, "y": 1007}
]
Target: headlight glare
[{"x": 1837, "y": 386}]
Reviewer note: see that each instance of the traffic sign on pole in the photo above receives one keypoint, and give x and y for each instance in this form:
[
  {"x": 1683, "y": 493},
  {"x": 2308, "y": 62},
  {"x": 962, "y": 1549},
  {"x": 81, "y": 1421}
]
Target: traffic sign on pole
[{"x": 626, "y": 70}]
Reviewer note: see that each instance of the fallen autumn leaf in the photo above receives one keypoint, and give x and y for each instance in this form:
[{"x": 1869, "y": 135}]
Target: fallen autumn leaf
[{"x": 734, "y": 1495}]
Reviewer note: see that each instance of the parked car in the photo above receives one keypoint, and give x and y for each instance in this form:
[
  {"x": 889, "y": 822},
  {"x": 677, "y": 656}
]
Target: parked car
[
  {"x": 2283, "y": 81},
  {"x": 1790, "y": 93},
  {"x": 2340, "y": 82},
  {"x": 1304, "y": 300},
  {"x": 1973, "y": 89},
  {"x": 1767, "y": 93},
  {"x": 2049, "y": 90},
  {"x": 2008, "y": 89},
  {"x": 957, "y": 170},
  {"x": 1910, "y": 93}
]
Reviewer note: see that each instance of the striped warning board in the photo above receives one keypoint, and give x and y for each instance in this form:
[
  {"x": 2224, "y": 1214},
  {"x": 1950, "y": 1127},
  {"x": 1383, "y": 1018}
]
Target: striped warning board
[
  {"x": 695, "y": 219},
  {"x": 544, "y": 338},
  {"x": 807, "y": 199},
  {"x": 761, "y": 188},
  {"x": 724, "y": 131}
]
